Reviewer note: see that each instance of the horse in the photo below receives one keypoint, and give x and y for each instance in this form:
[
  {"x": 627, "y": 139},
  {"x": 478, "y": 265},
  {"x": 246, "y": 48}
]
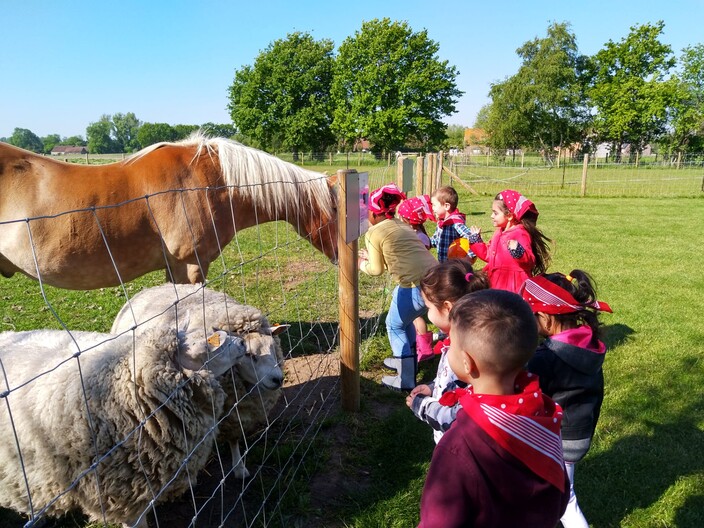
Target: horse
[{"x": 172, "y": 206}]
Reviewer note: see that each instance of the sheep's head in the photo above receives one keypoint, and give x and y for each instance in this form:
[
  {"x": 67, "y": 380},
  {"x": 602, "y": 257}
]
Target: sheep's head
[
  {"x": 263, "y": 361},
  {"x": 218, "y": 353}
]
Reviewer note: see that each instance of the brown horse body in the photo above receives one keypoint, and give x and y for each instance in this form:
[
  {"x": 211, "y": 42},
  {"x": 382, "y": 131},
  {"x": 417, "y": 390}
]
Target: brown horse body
[{"x": 172, "y": 205}]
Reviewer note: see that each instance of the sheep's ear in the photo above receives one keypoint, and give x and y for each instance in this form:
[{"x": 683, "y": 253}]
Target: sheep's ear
[{"x": 279, "y": 329}]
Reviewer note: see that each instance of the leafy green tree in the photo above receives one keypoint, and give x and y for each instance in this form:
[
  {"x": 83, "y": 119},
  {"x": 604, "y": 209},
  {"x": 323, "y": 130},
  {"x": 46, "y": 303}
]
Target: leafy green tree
[
  {"x": 125, "y": 128},
  {"x": 687, "y": 131},
  {"x": 482, "y": 119},
  {"x": 77, "y": 141},
  {"x": 99, "y": 136},
  {"x": 283, "y": 100},
  {"x": 150, "y": 133},
  {"x": 391, "y": 88},
  {"x": 26, "y": 139},
  {"x": 454, "y": 136},
  {"x": 182, "y": 132},
  {"x": 629, "y": 88},
  {"x": 50, "y": 142},
  {"x": 543, "y": 106}
]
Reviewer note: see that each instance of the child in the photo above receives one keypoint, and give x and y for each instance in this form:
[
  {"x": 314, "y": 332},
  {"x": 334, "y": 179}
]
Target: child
[
  {"x": 441, "y": 288},
  {"x": 569, "y": 362},
  {"x": 518, "y": 249},
  {"x": 500, "y": 464},
  {"x": 392, "y": 245},
  {"x": 415, "y": 212},
  {"x": 451, "y": 224}
]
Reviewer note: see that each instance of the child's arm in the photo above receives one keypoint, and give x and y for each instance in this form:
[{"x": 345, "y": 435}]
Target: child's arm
[
  {"x": 463, "y": 232},
  {"x": 435, "y": 238},
  {"x": 476, "y": 244},
  {"x": 373, "y": 262},
  {"x": 519, "y": 246},
  {"x": 430, "y": 411}
]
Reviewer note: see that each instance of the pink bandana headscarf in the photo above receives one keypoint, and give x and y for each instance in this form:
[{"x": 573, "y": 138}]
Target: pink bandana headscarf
[
  {"x": 517, "y": 203},
  {"x": 384, "y": 200},
  {"x": 416, "y": 210},
  {"x": 547, "y": 297}
]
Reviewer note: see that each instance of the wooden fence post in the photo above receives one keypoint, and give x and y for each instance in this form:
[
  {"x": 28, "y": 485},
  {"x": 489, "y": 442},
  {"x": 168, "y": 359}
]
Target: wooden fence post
[
  {"x": 438, "y": 170},
  {"x": 585, "y": 165},
  {"x": 348, "y": 286},
  {"x": 420, "y": 170},
  {"x": 430, "y": 177}
]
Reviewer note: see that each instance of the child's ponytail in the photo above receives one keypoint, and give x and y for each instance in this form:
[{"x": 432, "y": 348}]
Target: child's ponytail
[{"x": 540, "y": 244}]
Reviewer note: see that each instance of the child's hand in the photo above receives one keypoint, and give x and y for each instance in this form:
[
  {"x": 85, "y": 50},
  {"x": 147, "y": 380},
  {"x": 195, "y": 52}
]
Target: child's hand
[
  {"x": 512, "y": 244},
  {"x": 363, "y": 254},
  {"x": 475, "y": 230}
]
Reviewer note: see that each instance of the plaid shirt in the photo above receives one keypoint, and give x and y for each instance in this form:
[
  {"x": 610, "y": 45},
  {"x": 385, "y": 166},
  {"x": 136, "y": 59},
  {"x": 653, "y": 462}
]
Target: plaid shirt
[{"x": 444, "y": 236}]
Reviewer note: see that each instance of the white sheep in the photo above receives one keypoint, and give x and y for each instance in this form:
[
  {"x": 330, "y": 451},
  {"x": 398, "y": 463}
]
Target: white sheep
[
  {"x": 253, "y": 386},
  {"x": 108, "y": 424}
]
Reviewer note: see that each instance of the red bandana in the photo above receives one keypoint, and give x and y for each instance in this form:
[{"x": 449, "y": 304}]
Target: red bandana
[
  {"x": 391, "y": 195},
  {"x": 517, "y": 203},
  {"x": 416, "y": 210},
  {"x": 526, "y": 424},
  {"x": 455, "y": 218},
  {"x": 547, "y": 297}
]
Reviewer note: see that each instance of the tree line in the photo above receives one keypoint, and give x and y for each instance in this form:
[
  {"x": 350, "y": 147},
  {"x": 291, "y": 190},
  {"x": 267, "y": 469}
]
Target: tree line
[
  {"x": 633, "y": 93},
  {"x": 386, "y": 85}
]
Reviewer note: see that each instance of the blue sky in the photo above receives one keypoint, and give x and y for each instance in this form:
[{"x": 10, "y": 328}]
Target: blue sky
[{"x": 64, "y": 64}]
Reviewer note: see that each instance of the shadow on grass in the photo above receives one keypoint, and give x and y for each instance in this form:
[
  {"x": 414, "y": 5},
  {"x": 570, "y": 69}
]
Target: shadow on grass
[
  {"x": 304, "y": 338},
  {"x": 638, "y": 471},
  {"x": 616, "y": 335}
]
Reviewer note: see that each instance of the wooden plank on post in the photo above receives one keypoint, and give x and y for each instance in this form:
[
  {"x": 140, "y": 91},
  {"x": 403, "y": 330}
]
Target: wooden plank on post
[
  {"x": 430, "y": 177},
  {"x": 348, "y": 285},
  {"x": 457, "y": 178},
  {"x": 399, "y": 171},
  {"x": 584, "y": 175},
  {"x": 420, "y": 170}
]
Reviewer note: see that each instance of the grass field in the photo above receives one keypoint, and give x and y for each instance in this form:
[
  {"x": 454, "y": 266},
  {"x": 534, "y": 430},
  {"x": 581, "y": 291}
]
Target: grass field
[{"x": 644, "y": 468}]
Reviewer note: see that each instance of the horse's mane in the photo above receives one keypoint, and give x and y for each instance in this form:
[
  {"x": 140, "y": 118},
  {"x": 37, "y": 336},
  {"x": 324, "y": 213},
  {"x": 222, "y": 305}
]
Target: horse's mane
[{"x": 271, "y": 183}]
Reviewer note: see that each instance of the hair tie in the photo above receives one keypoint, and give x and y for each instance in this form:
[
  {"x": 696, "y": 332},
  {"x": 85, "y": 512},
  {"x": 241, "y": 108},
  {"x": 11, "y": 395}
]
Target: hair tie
[
  {"x": 569, "y": 278},
  {"x": 468, "y": 276}
]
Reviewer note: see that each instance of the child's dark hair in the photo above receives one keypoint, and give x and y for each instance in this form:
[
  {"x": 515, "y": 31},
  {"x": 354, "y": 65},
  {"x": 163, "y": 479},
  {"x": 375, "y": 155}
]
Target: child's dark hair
[
  {"x": 450, "y": 280},
  {"x": 540, "y": 244},
  {"x": 497, "y": 324},
  {"x": 447, "y": 194},
  {"x": 583, "y": 290}
]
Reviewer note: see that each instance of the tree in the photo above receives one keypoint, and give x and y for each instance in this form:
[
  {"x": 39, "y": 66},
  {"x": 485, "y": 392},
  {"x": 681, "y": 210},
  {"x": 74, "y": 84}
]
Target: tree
[
  {"x": 391, "y": 88},
  {"x": 219, "y": 130},
  {"x": 77, "y": 141},
  {"x": 150, "y": 133},
  {"x": 50, "y": 142},
  {"x": 99, "y": 136},
  {"x": 283, "y": 100},
  {"x": 543, "y": 106},
  {"x": 629, "y": 89},
  {"x": 687, "y": 119},
  {"x": 26, "y": 139},
  {"x": 125, "y": 128},
  {"x": 454, "y": 135},
  {"x": 182, "y": 131}
]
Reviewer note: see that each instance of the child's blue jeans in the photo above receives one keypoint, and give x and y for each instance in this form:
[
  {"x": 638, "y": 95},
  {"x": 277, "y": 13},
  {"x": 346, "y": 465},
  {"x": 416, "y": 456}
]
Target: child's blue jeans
[{"x": 406, "y": 305}]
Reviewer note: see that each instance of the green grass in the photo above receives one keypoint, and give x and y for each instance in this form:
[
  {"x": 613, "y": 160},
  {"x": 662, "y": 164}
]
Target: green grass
[{"x": 644, "y": 468}]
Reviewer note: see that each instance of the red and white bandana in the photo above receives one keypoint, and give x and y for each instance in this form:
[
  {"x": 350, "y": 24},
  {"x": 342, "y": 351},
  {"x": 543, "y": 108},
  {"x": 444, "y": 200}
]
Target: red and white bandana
[
  {"x": 454, "y": 218},
  {"x": 416, "y": 210},
  {"x": 526, "y": 424},
  {"x": 391, "y": 195},
  {"x": 547, "y": 297},
  {"x": 516, "y": 203}
]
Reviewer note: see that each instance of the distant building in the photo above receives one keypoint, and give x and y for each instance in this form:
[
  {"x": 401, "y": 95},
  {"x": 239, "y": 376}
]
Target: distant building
[
  {"x": 475, "y": 140},
  {"x": 62, "y": 150}
]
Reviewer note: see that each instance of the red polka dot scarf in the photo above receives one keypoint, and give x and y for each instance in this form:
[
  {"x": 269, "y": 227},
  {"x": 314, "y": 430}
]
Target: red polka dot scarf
[
  {"x": 526, "y": 424},
  {"x": 384, "y": 200},
  {"x": 416, "y": 210},
  {"x": 517, "y": 203}
]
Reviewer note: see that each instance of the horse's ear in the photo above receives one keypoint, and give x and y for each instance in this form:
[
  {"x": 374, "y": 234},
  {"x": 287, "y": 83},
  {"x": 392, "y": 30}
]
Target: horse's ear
[{"x": 279, "y": 329}]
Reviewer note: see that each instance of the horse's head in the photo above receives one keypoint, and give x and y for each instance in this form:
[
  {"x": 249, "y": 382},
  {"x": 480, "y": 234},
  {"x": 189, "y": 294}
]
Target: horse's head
[{"x": 321, "y": 228}]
